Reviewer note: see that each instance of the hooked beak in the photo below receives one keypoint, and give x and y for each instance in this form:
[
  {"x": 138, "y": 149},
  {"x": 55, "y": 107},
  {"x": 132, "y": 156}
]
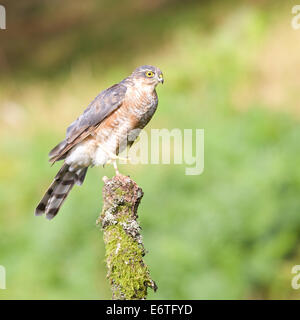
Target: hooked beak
[{"x": 161, "y": 78}]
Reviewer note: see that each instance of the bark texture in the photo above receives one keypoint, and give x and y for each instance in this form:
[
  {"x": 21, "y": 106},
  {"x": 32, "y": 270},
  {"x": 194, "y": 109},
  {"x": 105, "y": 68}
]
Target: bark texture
[{"x": 128, "y": 275}]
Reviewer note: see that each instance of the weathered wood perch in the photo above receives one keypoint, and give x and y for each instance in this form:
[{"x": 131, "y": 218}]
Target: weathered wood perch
[{"x": 127, "y": 273}]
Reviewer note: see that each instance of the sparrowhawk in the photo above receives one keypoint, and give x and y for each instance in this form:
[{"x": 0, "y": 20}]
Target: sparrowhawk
[{"x": 101, "y": 132}]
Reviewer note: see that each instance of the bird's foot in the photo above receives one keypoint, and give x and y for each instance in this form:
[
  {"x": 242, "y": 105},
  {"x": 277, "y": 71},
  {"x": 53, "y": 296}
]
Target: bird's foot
[
  {"x": 126, "y": 159},
  {"x": 113, "y": 156}
]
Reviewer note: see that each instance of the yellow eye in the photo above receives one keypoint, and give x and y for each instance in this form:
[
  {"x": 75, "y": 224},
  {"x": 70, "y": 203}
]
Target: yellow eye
[{"x": 149, "y": 74}]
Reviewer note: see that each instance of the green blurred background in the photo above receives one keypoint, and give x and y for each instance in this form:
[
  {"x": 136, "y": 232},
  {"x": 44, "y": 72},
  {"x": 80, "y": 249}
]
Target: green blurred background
[{"x": 230, "y": 68}]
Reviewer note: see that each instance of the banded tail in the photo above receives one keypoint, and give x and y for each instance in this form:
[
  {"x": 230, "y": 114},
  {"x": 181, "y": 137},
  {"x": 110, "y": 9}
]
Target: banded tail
[{"x": 59, "y": 190}]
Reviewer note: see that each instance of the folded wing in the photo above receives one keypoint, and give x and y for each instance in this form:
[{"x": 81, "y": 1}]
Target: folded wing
[{"x": 100, "y": 108}]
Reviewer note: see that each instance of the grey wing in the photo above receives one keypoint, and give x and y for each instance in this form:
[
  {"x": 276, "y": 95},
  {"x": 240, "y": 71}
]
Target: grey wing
[{"x": 101, "y": 107}]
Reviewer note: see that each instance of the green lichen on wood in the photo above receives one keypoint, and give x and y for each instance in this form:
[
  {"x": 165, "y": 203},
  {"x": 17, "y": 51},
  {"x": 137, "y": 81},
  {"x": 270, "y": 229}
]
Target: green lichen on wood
[{"x": 128, "y": 274}]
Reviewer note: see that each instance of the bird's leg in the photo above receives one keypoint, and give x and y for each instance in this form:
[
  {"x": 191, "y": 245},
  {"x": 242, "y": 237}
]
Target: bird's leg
[
  {"x": 116, "y": 167},
  {"x": 112, "y": 155},
  {"x": 113, "y": 159},
  {"x": 121, "y": 158}
]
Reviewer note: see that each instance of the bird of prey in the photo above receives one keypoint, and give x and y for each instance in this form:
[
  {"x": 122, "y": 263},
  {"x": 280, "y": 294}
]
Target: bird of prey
[{"x": 98, "y": 135}]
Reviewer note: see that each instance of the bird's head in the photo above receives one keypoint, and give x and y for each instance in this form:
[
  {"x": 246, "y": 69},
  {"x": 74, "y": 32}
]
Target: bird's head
[{"x": 148, "y": 75}]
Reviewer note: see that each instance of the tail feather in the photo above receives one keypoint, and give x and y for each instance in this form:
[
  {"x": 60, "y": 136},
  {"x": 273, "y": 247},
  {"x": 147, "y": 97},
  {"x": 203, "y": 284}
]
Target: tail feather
[
  {"x": 59, "y": 194},
  {"x": 59, "y": 190},
  {"x": 40, "y": 209},
  {"x": 81, "y": 176}
]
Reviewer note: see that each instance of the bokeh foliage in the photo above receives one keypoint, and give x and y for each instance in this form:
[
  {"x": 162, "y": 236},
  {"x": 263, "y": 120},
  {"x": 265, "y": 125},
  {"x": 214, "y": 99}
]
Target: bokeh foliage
[{"x": 231, "y": 232}]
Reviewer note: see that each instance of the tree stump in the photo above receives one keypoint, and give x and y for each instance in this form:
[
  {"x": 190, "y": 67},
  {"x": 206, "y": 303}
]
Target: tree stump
[{"x": 128, "y": 275}]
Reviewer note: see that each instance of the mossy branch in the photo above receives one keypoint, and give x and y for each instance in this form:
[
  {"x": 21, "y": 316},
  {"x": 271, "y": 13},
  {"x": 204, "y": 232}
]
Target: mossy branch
[{"x": 127, "y": 273}]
